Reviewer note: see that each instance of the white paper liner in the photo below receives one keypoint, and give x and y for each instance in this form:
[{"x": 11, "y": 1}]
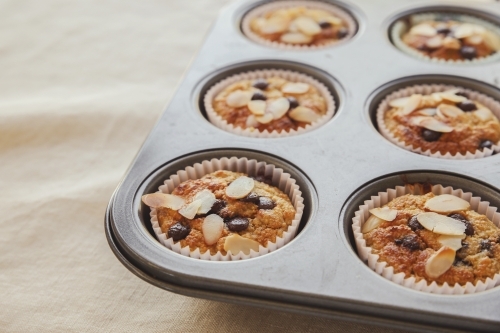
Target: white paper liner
[
  {"x": 401, "y": 27},
  {"x": 382, "y": 268},
  {"x": 384, "y": 106},
  {"x": 275, "y": 5},
  {"x": 264, "y": 74},
  {"x": 280, "y": 179}
]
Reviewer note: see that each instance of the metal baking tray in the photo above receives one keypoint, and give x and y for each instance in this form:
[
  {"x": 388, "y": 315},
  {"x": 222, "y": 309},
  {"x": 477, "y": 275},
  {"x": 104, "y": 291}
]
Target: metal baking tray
[{"x": 338, "y": 166}]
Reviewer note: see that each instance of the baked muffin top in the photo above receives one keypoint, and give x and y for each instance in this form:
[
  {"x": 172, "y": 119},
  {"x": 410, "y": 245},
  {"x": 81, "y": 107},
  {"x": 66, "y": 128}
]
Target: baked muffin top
[
  {"x": 434, "y": 237},
  {"x": 300, "y": 26},
  {"x": 223, "y": 211},
  {"x": 270, "y": 104},
  {"x": 452, "y": 40},
  {"x": 445, "y": 122}
]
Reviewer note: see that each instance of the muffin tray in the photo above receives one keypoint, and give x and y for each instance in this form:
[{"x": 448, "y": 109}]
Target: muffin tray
[{"x": 338, "y": 166}]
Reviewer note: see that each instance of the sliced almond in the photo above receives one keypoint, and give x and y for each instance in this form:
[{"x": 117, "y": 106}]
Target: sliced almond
[
  {"x": 423, "y": 29},
  {"x": 317, "y": 14},
  {"x": 492, "y": 40},
  {"x": 257, "y": 107},
  {"x": 418, "y": 119},
  {"x": 278, "y": 108},
  {"x": 212, "y": 228},
  {"x": 307, "y": 26},
  {"x": 371, "y": 223},
  {"x": 274, "y": 25},
  {"x": 384, "y": 213},
  {"x": 426, "y": 112},
  {"x": 240, "y": 187},
  {"x": 295, "y": 88},
  {"x": 189, "y": 211},
  {"x": 303, "y": 114},
  {"x": 441, "y": 224},
  {"x": 474, "y": 39},
  {"x": 333, "y": 20},
  {"x": 451, "y": 43},
  {"x": 434, "y": 42},
  {"x": 273, "y": 93},
  {"x": 251, "y": 121},
  {"x": 437, "y": 97},
  {"x": 159, "y": 199},
  {"x": 483, "y": 114},
  {"x": 295, "y": 38},
  {"x": 452, "y": 97},
  {"x": 453, "y": 242},
  {"x": 446, "y": 203},
  {"x": 449, "y": 111},
  {"x": 399, "y": 102},
  {"x": 438, "y": 263},
  {"x": 265, "y": 119},
  {"x": 435, "y": 125},
  {"x": 207, "y": 200},
  {"x": 235, "y": 244},
  {"x": 464, "y": 30},
  {"x": 238, "y": 98},
  {"x": 412, "y": 104}
]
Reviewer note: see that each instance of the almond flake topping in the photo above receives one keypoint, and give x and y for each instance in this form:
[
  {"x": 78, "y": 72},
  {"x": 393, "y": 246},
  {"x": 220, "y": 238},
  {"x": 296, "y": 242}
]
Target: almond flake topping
[
  {"x": 474, "y": 39},
  {"x": 278, "y": 108},
  {"x": 399, "y": 102},
  {"x": 307, "y": 26},
  {"x": 423, "y": 29},
  {"x": 212, "y": 228},
  {"x": 240, "y": 187},
  {"x": 251, "y": 121},
  {"x": 257, "y": 107},
  {"x": 384, "y": 213},
  {"x": 265, "y": 119},
  {"x": 452, "y": 97},
  {"x": 412, "y": 104},
  {"x": 434, "y": 42},
  {"x": 427, "y": 112},
  {"x": 446, "y": 203},
  {"x": 438, "y": 263},
  {"x": 371, "y": 223},
  {"x": 451, "y": 43},
  {"x": 235, "y": 244},
  {"x": 448, "y": 111},
  {"x": 274, "y": 25},
  {"x": 303, "y": 114},
  {"x": 464, "y": 30},
  {"x": 453, "y": 242},
  {"x": 207, "y": 200},
  {"x": 238, "y": 98},
  {"x": 483, "y": 114},
  {"x": 159, "y": 199},
  {"x": 189, "y": 211},
  {"x": 295, "y": 88},
  {"x": 295, "y": 38},
  {"x": 441, "y": 224},
  {"x": 435, "y": 125}
]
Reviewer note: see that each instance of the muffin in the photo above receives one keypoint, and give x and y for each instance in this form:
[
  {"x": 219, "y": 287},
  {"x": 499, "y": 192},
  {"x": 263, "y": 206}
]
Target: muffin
[
  {"x": 449, "y": 38},
  {"x": 269, "y": 103},
  {"x": 434, "y": 240},
  {"x": 441, "y": 121},
  {"x": 225, "y": 213},
  {"x": 298, "y": 24}
]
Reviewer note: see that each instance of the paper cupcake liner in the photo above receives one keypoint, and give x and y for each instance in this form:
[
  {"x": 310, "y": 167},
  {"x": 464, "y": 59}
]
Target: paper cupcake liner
[
  {"x": 275, "y": 5},
  {"x": 280, "y": 179},
  {"x": 401, "y": 27},
  {"x": 264, "y": 74},
  {"x": 384, "y": 106},
  {"x": 382, "y": 268}
]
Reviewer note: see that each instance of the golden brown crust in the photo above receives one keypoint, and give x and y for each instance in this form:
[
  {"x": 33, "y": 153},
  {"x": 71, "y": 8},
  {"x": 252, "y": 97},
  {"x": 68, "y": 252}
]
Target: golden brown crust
[
  {"x": 478, "y": 259},
  {"x": 265, "y": 224}
]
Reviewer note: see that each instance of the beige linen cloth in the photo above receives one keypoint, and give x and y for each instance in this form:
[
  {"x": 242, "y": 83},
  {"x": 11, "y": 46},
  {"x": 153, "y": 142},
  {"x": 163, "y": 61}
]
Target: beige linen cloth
[{"x": 81, "y": 85}]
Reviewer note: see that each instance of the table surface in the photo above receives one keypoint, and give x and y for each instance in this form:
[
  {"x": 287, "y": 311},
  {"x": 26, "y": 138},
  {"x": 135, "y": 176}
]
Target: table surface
[{"x": 81, "y": 85}]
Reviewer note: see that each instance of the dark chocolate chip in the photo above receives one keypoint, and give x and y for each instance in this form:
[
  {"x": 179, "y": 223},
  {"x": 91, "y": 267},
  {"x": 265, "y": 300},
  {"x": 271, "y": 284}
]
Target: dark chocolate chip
[
  {"x": 237, "y": 223},
  {"x": 217, "y": 207},
  {"x": 461, "y": 262},
  {"x": 469, "y": 228},
  {"x": 430, "y": 135},
  {"x": 178, "y": 231},
  {"x": 293, "y": 102},
  {"x": 443, "y": 31},
  {"x": 485, "y": 245},
  {"x": 264, "y": 179},
  {"x": 342, "y": 33},
  {"x": 409, "y": 241},
  {"x": 258, "y": 96},
  {"x": 251, "y": 197},
  {"x": 414, "y": 224},
  {"x": 467, "y": 106},
  {"x": 260, "y": 84},
  {"x": 266, "y": 203},
  {"x": 462, "y": 93},
  {"x": 468, "y": 52},
  {"x": 486, "y": 144},
  {"x": 324, "y": 24}
]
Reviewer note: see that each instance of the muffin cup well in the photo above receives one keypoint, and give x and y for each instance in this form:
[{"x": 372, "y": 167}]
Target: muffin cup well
[
  {"x": 264, "y": 74},
  {"x": 399, "y": 28},
  {"x": 280, "y": 179},
  {"x": 382, "y": 268},
  {"x": 275, "y": 5},
  {"x": 383, "y": 107}
]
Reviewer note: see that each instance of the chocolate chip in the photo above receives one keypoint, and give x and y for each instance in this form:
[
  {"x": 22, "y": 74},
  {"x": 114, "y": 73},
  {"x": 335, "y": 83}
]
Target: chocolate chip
[
  {"x": 485, "y": 245},
  {"x": 258, "y": 96},
  {"x": 264, "y": 179},
  {"x": 486, "y": 144},
  {"x": 461, "y": 262},
  {"x": 469, "y": 228},
  {"x": 468, "y": 52},
  {"x": 409, "y": 241},
  {"x": 342, "y": 33},
  {"x": 261, "y": 84},
  {"x": 251, "y": 197},
  {"x": 443, "y": 31},
  {"x": 324, "y": 24},
  {"x": 266, "y": 203},
  {"x": 293, "y": 102},
  {"x": 178, "y": 231},
  {"x": 217, "y": 207},
  {"x": 237, "y": 223},
  {"x": 462, "y": 93},
  {"x": 467, "y": 106},
  {"x": 430, "y": 135},
  {"x": 414, "y": 224}
]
